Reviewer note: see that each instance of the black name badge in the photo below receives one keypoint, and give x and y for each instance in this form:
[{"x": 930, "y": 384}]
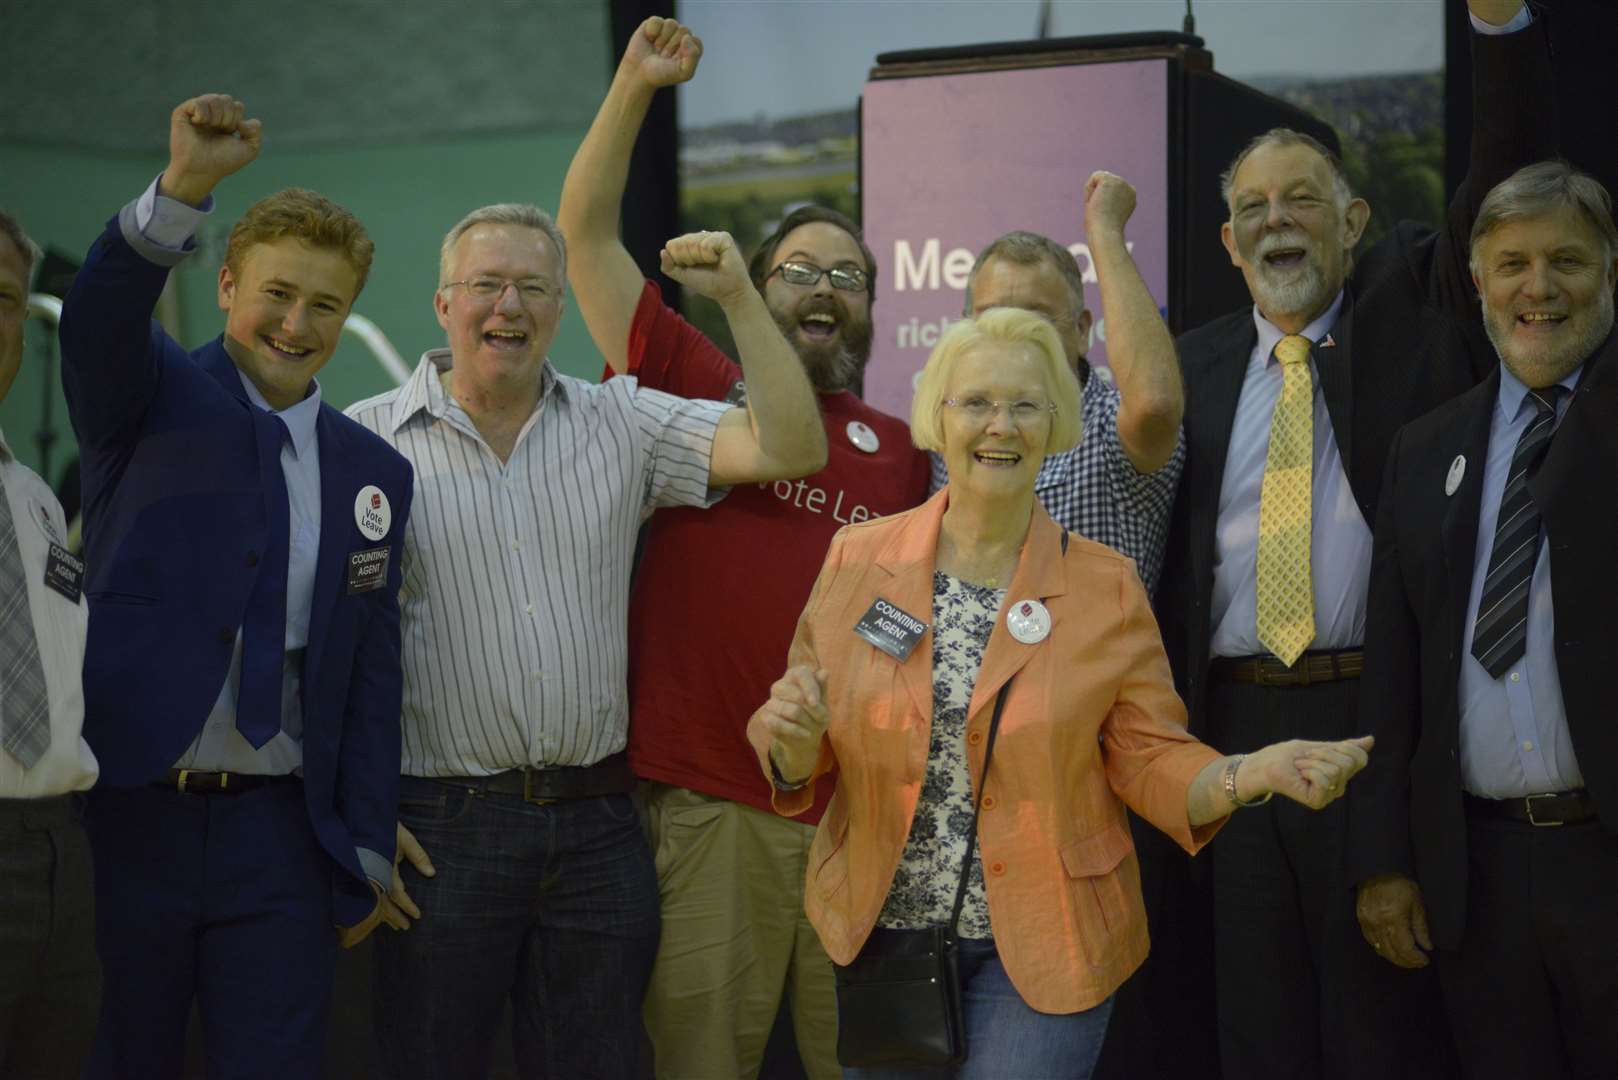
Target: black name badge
[
  {"x": 368, "y": 569},
  {"x": 891, "y": 630},
  {"x": 64, "y": 572}
]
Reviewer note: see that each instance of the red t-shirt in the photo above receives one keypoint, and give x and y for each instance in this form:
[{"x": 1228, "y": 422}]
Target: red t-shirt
[{"x": 718, "y": 592}]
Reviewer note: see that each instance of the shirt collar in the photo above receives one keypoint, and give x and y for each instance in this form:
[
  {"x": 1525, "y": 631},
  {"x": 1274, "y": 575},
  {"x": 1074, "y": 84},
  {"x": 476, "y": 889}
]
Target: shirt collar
[
  {"x": 1269, "y": 335},
  {"x": 1513, "y": 391},
  {"x": 425, "y": 390},
  {"x": 299, "y": 419}
]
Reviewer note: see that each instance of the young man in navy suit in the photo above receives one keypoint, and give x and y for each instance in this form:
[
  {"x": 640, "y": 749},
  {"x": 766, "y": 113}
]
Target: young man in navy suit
[{"x": 242, "y": 679}]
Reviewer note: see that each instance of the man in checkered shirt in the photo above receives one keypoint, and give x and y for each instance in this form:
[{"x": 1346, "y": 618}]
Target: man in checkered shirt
[{"x": 1117, "y": 485}]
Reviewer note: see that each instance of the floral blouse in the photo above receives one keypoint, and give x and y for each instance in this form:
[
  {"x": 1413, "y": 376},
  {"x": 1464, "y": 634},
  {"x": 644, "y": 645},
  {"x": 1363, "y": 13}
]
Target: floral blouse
[{"x": 923, "y": 892}]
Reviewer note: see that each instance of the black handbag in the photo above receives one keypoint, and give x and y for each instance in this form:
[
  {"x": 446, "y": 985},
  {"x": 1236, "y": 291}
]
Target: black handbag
[{"x": 899, "y": 1002}]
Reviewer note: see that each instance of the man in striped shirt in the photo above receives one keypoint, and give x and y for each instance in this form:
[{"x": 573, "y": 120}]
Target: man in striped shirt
[{"x": 532, "y": 486}]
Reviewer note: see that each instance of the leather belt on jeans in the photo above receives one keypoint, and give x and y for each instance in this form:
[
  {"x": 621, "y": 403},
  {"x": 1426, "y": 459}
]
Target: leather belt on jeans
[
  {"x": 1312, "y": 667},
  {"x": 1556, "y": 808},
  {"x": 201, "y": 782},
  {"x": 609, "y": 776}
]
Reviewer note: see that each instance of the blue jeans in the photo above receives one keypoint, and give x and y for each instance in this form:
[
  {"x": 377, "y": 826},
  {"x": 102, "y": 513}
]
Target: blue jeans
[
  {"x": 554, "y": 907},
  {"x": 1005, "y": 1039}
]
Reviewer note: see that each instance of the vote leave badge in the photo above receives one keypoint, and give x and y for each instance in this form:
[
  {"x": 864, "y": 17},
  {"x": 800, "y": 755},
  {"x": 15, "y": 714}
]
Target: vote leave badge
[
  {"x": 893, "y": 631},
  {"x": 372, "y": 513}
]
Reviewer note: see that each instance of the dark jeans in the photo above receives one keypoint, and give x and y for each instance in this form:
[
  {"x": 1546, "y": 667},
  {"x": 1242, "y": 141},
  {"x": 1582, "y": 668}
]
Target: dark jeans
[
  {"x": 1005, "y": 1039},
  {"x": 50, "y": 984},
  {"x": 553, "y": 906}
]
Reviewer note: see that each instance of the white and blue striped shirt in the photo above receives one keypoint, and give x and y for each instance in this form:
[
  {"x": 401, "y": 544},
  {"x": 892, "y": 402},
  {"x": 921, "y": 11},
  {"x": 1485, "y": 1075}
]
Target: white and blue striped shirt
[{"x": 516, "y": 576}]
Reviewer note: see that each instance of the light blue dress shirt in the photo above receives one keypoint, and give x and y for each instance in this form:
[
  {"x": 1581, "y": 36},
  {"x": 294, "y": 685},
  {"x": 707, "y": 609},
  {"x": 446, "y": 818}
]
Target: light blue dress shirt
[
  {"x": 1514, "y": 737},
  {"x": 1340, "y": 539},
  {"x": 219, "y": 746}
]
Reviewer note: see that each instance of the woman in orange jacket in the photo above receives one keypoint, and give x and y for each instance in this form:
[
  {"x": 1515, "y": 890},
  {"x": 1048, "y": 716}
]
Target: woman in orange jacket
[{"x": 916, "y": 623}]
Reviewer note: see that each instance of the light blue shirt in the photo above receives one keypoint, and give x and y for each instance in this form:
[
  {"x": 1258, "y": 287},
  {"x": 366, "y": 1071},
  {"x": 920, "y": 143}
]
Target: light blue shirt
[
  {"x": 1340, "y": 539},
  {"x": 1514, "y": 737},
  {"x": 169, "y": 223}
]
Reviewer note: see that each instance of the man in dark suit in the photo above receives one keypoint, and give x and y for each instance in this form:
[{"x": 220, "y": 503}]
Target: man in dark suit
[
  {"x": 1488, "y": 680},
  {"x": 1262, "y": 603},
  {"x": 242, "y": 678}
]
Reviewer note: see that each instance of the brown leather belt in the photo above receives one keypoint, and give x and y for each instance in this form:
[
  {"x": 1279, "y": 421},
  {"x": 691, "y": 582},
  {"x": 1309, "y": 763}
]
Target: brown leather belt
[
  {"x": 1556, "y": 808},
  {"x": 609, "y": 776},
  {"x": 1312, "y": 667},
  {"x": 200, "y": 782}
]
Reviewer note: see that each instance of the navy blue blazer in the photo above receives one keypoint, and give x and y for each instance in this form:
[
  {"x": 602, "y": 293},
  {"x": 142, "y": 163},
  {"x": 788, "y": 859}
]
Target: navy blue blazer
[{"x": 175, "y": 517}]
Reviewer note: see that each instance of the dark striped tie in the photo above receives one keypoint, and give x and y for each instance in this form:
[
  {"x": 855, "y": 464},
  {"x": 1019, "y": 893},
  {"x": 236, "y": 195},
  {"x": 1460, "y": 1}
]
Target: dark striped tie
[{"x": 1501, "y": 633}]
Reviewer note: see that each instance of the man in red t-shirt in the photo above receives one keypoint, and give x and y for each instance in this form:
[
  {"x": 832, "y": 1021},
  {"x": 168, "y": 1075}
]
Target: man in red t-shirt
[{"x": 717, "y": 597}]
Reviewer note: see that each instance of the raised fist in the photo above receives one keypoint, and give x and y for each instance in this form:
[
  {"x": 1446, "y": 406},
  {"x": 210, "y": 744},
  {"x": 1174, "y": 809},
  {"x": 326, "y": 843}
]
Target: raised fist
[
  {"x": 709, "y": 263},
  {"x": 209, "y": 138},
  {"x": 663, "y": 53},
  {"x": 1108, "y": 202}
]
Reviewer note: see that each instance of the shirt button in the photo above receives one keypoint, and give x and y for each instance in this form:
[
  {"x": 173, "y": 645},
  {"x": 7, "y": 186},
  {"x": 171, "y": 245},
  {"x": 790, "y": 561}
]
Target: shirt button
[
  {"x": 974, "y": 737},
  {"x": 539, "y": 676},
  {"x": 252, "y": 558},
  {"x": 516, "y": 546},
  {"x": 997, "y": 868},
  {"x": 226, "y": 636},
  {"x": 988, "y": 802},
  {"x": 1528, "y": 744},
  {"x": 1515, "y": 677},
  {"x": 529, "y": 609}
]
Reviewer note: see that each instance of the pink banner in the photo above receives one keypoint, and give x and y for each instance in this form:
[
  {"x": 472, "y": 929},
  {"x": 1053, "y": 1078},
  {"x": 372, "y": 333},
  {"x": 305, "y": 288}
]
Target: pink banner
[{"x": 953, "y": 161}]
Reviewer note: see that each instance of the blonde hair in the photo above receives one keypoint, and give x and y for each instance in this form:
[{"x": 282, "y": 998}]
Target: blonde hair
[
  {"x": 1007, "y": 327},
  {"x": 307, "y": 216}
]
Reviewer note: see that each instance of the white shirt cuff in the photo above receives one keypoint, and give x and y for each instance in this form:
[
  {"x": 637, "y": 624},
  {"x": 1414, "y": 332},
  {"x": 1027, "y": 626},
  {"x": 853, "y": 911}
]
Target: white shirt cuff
[
  {"x": 169, "y": 223},
  {"x": 1520, "y": 21}
]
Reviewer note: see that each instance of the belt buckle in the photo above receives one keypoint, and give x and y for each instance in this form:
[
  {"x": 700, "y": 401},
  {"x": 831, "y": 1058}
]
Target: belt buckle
[
  {"x": 179, "y": 784},
  {"x": 528, "y": 795},
  {"x": 1299, "y": 671},
  {"x": 1528, "y": 802}
]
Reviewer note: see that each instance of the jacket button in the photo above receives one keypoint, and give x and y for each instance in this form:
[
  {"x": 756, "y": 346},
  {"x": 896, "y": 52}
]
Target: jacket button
[
  {"x": 252, "y": 558},
  {"x": 974, "y": 737},
  {"x": 988, "y": 802},
  {"x": 227, "y": 636},
  {"x": 997, "y": 868}
]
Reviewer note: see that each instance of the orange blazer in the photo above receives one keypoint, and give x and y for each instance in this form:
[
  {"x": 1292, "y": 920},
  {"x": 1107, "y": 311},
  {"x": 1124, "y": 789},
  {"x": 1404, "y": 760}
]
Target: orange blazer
[{"x": 1091, "y": 724}]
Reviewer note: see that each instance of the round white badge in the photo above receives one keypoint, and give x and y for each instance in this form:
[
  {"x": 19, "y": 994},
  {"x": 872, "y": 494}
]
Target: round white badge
[
  {"x": 1457, "y": 470},
  {"x": 372, "y": 513},
  {"x": 1028, "y": 621},
  {"x": 863, "y": 437}
]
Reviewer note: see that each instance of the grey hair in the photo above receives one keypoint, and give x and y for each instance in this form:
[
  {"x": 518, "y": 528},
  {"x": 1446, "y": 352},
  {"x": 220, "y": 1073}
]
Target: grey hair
[
  {"x": 12, "y": 230},
  {"x": 526, "y": 215},
  {"x": 1030, "y": 249},
  {"x": 1287, "y": 137},
  {"x": 1540, "y": 189}
]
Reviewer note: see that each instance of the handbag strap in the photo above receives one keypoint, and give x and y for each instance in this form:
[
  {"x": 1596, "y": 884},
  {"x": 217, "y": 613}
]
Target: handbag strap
[{"x": 977, "y": 804}]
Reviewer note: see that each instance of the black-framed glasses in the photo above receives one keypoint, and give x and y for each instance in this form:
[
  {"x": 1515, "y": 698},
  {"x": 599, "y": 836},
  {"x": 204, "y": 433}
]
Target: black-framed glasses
[
  {"x": 490, "y": 289},
  {"x": 846, "y": 278}
]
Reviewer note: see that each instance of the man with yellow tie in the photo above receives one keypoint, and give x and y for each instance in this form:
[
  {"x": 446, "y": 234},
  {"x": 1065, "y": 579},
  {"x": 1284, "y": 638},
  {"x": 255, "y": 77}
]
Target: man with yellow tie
[{"x": 1263, "y": 597}]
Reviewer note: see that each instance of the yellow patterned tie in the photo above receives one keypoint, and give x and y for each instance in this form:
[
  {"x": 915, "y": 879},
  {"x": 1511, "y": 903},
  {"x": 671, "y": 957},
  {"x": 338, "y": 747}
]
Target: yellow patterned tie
[{"x": 1286, "y": 605}]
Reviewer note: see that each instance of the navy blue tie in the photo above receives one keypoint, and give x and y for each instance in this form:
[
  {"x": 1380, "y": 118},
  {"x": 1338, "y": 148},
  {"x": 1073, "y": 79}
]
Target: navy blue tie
[
  {"x": 264, "y": 627},
  {"x": 1500, "y": 635}
]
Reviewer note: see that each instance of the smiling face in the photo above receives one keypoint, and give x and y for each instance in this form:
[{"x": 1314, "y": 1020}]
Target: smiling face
[
  {"x": 284, "y": 309},
  {"x": 1038, "y": 287},
  {"x": 1288, "y": 234},
  {"x": 1546, "y": 284},
  {"x": 13, "y": 312},
  {"x": 505, "y": 337},
  {"x": 995, "y": 457},
  {"x": 830, "y": 329}
]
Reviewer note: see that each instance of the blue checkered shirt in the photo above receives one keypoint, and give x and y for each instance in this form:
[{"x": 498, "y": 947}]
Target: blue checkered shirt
[{"x": 1095, "y": 490}]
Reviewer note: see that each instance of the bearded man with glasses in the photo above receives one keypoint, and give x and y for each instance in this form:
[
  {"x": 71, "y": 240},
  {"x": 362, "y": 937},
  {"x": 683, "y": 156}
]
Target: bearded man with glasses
[{"x": 702, "y": 656}]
